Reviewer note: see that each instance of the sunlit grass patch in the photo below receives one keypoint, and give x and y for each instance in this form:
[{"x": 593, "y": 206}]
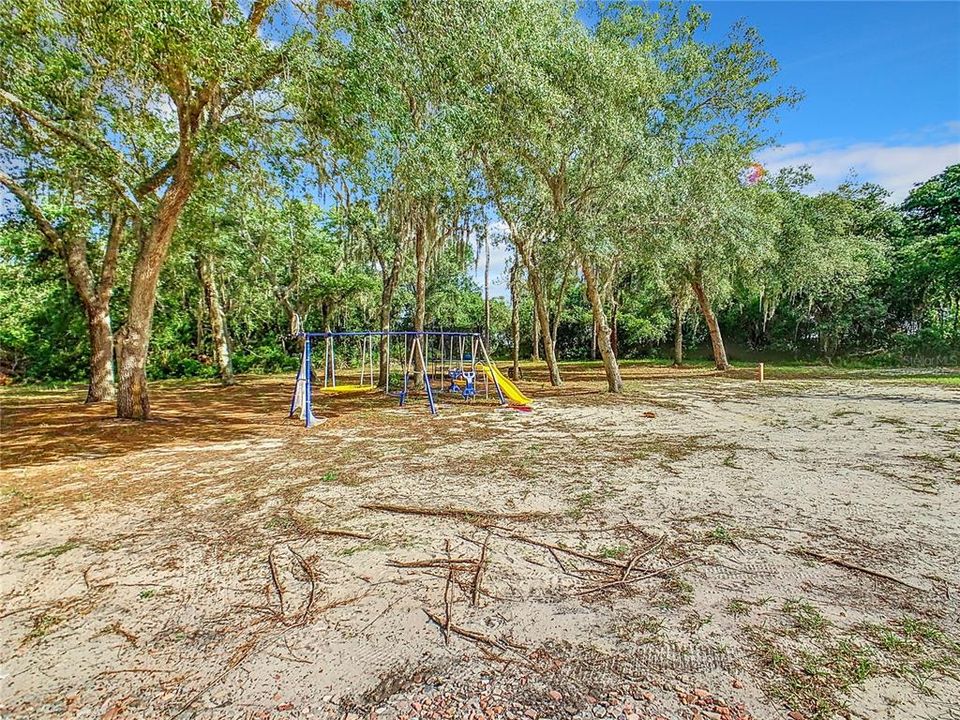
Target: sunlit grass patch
[
  {"x": 813, "y": 668},
  {"x": 55, "y": 551}
]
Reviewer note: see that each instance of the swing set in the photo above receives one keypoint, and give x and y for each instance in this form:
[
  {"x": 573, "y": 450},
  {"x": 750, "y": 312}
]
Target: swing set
[{"x": 433, "y": 362}]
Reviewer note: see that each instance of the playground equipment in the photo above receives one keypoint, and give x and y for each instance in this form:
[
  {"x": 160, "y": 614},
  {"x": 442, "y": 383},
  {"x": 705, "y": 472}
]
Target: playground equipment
[{"x": 453, "y": 364}]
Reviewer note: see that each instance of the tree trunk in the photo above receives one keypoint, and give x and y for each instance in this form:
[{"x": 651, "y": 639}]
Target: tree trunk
[
  {"x": 386, "y": 311},
  {"x": 610, "y": 366},
  {"x": 614, "y": 335},
  {"x": 486, "y": 291},
  {"x": 390, "y": 280},
  {"x": 420, "y": 312},
  {"x": 101, "y": 387},
  {"x": 218, "y": 321},
  {"x": 719, "y": 351},
  {"x": 568, "y": 272},
  {"x": 535, "y": 326},
  {"x": 543, "y": 317},
  {"x": 593, "y": 340},
  {"x": 678, "y": 336},
  {"x": 133, "y": 339},
  {"x": 515, "y": 318},
  {"x": 94, "y": 294}
]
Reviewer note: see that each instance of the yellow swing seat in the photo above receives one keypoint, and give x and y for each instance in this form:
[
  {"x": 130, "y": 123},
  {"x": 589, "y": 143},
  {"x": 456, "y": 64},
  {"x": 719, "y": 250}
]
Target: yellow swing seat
[{"x": 347, "y": 388}]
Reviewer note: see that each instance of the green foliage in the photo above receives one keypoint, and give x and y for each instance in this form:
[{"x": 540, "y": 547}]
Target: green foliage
[{"x": 616, "y": 149}]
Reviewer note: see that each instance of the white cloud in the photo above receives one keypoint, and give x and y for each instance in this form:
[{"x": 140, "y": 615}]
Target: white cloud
[{"x": 897, "y": 167}]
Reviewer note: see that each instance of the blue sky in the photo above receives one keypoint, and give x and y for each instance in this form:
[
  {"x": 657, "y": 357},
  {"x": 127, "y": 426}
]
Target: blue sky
[{"x": 881, "y": 85}]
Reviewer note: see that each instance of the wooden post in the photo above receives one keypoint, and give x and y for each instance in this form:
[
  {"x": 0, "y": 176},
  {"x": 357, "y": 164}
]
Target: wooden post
[{"x": 760, "y": 372}]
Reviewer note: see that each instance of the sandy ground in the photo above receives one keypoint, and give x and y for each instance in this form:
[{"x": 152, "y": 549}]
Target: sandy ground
[{"x": 702, "y": 547}]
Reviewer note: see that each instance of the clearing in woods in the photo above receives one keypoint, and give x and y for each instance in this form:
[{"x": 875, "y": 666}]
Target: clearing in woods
[{"x": 702, "y": 543}]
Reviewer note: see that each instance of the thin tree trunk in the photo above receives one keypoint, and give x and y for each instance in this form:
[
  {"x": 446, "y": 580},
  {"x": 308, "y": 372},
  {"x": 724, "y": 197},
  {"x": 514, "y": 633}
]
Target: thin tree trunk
[
  {"x": 515, "y": 318},
  {"x": 593, "y": 340},
  {"x": 390, "y": 280},
  {"x": 386, "y": 311},
  {"x": 614, "y": 335},
  {"x": 218, "y": 321},
  {"x": 101, "y": 387},
  {"x": 610, "y": 366},
  {"x": 535, "y": 325},
  {"x": 486, "y": 290},
  {"x": 133, "y": 339},
  {"x": 543, "y": 317},
  {"x": 541, "y": 322},
  {"x": 420, "y": 312},
  {"x": 678, "y": 336},
  {"x": 568, "y": 272},
  {"x": 719, "y": 351}
]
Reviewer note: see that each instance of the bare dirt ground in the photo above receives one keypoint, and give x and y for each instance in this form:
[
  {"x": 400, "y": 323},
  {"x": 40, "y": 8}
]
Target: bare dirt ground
[{"x": 701, "y": 547}]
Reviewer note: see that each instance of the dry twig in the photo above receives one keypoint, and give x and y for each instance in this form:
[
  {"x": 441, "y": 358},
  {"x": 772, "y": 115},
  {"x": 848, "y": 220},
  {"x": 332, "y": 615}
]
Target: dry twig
[
  {"x": 447, "y": 597},
  {"x": 276, "y": 579},
  {"x": 342, "y": 533},
  {"x": 478, "y": 576},
  {"x": 432, "y": 563},
  {"x": 313, "y": 585},
  {"x": 550, "y": 546},
  {"x": 858, "y": 568},
  {"x": 466, "y": 515},
  {"x": 464, "y": 632},
  {"x": 628, "y": 581}
]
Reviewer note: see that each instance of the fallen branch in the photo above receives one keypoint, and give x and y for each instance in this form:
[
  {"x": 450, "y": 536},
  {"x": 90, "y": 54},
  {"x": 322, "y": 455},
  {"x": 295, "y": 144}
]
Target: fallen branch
[
  {"x": 432, "y": 563},
  {"x": 478, "y": 576},
  {"x": 640, "y": 555},
  {"x": 132, "y": 670},
  {"x": 342, "y": 533},
  {"x": 858, "y": 568},
  {"x": 313, "y": 585},
  {"x": 276, "y": 579},
  {"x": 464, "y": 632},
  {"x": 563, "y": 567},
  {"x": 628, "y": 581},
  {"x": 464, "y": 514},
  {"x": 550, "y": 546},
  {"x": 447, "y": 597}
]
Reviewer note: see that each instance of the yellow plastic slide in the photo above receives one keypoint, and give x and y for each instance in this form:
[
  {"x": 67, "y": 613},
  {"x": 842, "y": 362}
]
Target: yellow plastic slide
[{"x": 510, "y": 391}]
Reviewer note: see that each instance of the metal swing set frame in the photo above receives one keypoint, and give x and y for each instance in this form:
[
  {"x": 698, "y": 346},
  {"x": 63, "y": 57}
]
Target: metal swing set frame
[{"x": 416, "y": 351}]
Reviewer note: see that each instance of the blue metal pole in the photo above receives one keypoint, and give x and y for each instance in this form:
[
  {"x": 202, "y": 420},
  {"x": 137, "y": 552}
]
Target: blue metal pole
[
  {"x": 403, "y": 393},
  {"x": 426, "y": 380}
]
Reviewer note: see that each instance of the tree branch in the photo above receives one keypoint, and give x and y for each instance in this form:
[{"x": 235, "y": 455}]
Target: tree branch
[
  {"x": 257, "y": 12},
  {"x": 108, "y": 269},
  {"x": 49, "y": 232},
  {"x": 160, "y": 176},
  {"x": 78, "y": 139}
]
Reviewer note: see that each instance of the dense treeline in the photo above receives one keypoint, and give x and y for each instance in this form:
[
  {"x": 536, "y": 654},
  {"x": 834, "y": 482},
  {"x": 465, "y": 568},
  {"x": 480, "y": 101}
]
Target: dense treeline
[{"x": 184, "y": 179}]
